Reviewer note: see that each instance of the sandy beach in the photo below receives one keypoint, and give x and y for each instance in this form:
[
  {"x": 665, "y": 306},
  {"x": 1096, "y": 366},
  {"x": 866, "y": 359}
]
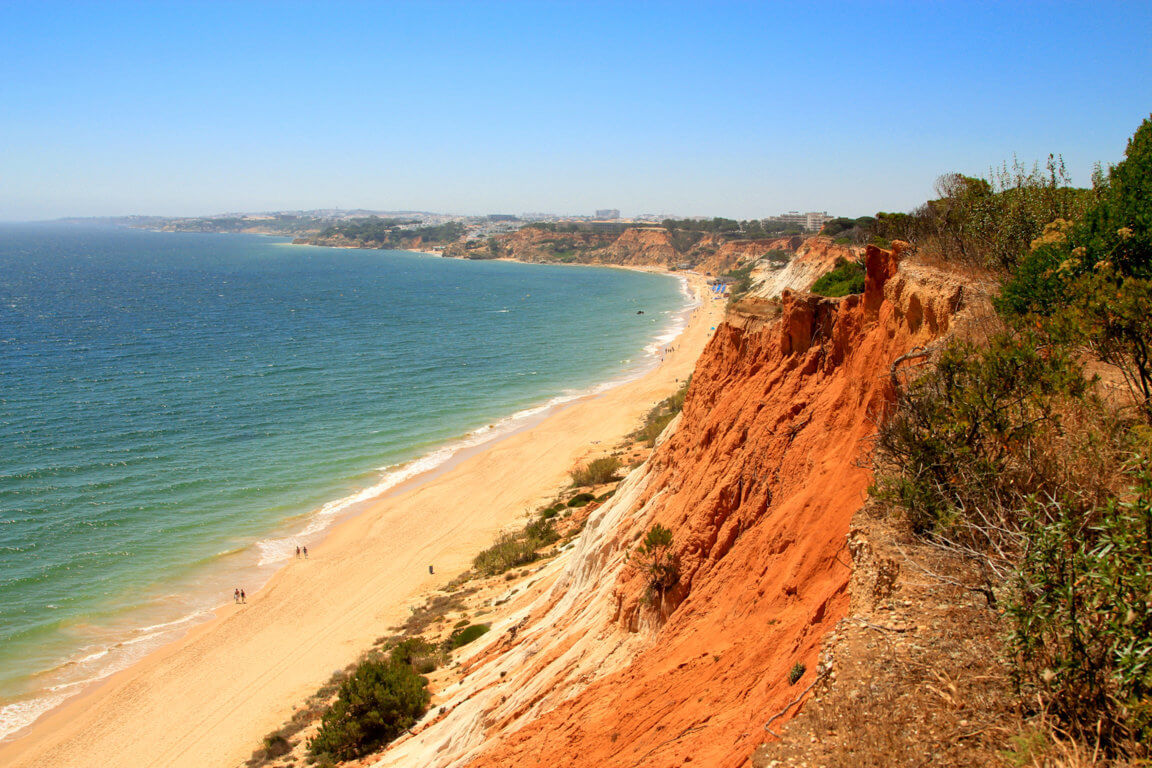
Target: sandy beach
[{"x": 209, "y": 698}]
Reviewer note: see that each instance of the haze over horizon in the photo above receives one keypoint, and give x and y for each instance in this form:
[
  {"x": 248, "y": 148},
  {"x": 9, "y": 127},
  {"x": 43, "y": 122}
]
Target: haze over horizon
[{"x": 727, "y": 109}]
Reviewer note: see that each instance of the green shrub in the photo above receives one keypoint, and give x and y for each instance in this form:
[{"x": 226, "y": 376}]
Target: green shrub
[
  {"x": 516, "y": 549},
  {"x": 1093, "y": 277},
  {"x": 992, "y": 223},
  {"x": 581, "y": 499},
  {"x": 971, "y": 436},
  {"x": 847, "y": 277},
  {"x": 461, "y": 637},
  {"x": 659, "y": 563},
  {"x": 797, "y": 672},
  {"x": 540, "y": 533},
  {"x": 1082, "y": 617},
  {"x": 417, "y": 653},
  {"x": 596, "y": 472},
  {"x": 509, "y": 551},
  {"x": 378, "y": 702}
]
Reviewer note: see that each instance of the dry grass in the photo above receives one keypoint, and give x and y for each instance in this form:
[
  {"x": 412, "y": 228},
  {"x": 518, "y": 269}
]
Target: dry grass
[{"x": 917, "y": 673}]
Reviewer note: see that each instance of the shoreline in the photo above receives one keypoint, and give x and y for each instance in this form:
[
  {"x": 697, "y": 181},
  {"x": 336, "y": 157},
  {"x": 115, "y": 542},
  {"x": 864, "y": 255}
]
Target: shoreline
[
  {"x": 372, "y": 595},
  {"x": 137, "y": 634}
]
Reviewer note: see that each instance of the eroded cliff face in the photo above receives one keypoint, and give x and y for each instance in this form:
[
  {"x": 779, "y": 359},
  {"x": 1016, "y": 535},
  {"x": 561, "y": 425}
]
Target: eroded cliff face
[
  {"x": 758, "y": 480},
  {"x": 641, "y": 246},
  {"x": 811, "y": 259}
]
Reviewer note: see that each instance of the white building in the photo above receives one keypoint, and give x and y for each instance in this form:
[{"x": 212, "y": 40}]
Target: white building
[{"x": 811, "y": 221}]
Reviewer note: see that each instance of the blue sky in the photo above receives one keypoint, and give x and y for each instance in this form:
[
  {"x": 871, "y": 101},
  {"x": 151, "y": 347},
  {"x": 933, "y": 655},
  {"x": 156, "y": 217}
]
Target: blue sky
[{"x": 733, "y": 109}]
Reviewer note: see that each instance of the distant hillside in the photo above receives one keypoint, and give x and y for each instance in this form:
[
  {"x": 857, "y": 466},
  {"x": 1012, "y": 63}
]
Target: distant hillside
[
  {"x": 377, "y": 232},
  {"x": 709, "y": 252}
]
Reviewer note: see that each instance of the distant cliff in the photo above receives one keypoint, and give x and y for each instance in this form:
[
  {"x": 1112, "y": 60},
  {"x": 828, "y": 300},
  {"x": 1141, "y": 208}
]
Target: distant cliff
[
  {"x": 711, "y": 253},
  {"x": 377, "y": 232}
]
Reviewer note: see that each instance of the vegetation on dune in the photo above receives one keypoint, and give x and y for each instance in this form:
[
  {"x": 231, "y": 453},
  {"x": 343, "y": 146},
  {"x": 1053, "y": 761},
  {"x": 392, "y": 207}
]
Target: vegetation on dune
[
  {"x": 516, "y": 548},
  {"x": 661, "y": 416},
  {"x": 1006, "y": 453},
  {"x": 461, "y": 637},
  {"x": 596, "y": 472},
  {"x": 380, "y": 700}
]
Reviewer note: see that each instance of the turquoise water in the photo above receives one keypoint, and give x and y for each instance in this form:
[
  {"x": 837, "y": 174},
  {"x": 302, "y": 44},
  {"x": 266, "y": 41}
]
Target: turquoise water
[{"x": 178, "y": 411}]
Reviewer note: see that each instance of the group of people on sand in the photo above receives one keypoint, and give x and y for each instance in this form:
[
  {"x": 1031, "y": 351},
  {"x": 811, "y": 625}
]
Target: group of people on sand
[{"x": 238, "y": 595}]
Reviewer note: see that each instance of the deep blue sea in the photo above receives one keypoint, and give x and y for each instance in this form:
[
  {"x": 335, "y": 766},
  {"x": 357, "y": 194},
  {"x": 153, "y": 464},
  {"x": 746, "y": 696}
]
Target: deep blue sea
[{"x": 178, "y": 411}]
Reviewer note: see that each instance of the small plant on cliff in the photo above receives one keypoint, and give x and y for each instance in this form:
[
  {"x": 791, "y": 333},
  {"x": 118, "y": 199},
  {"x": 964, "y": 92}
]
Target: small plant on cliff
[
  {"x": 461, "y": 637},
  {"x": 797, "y": 672},
  {"x": 381, "y": 700},
  {"x": 659, "y": 563}
]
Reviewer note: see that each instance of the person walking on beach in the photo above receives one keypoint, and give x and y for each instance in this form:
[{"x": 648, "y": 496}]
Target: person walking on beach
[
  {"x": 297, "y": 550},
  {"x": 305, "y": 553},
  {"x": 243, "y": 597},
  {"x": 236, "y": 595}
]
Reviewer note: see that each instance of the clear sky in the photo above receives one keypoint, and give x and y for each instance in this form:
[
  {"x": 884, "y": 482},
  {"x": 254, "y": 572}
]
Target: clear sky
[{"x": 733, "y": 109}]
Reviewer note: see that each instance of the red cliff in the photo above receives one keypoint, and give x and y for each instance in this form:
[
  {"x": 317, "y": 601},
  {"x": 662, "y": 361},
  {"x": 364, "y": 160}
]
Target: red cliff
[{"x": 758, "y": 483}]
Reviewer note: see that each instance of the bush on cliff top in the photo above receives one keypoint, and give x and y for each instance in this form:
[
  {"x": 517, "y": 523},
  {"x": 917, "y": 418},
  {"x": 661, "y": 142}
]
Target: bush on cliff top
[{"x": 1004, "y": 454}]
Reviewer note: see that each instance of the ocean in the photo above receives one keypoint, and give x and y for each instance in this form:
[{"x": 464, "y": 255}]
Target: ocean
[{"x": 179, "y": 411}]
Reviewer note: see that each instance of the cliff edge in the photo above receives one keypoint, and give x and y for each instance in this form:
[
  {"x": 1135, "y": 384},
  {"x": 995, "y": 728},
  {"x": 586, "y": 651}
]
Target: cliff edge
[{"x": 758, "y": 480}]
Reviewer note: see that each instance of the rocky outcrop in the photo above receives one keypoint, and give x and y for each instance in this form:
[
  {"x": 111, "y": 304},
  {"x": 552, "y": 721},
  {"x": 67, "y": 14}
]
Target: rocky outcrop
[{"x": 758, "y": 480}]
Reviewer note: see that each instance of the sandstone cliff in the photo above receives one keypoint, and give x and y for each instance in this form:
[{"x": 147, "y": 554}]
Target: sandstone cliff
[{"x": 758, "y": 480}]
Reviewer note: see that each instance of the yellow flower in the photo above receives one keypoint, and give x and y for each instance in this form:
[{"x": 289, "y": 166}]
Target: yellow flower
[
  {"x": 1124, "y": 232},
  {"x": 1079, "y": 252},
  {"x": 1054, "y": 232}
]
